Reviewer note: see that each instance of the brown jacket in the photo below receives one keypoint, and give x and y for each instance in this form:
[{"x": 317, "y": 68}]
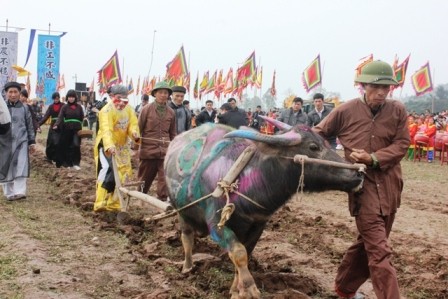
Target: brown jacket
[
  {"x": 160, "y": 130},
  {"x": 386, "y": 135}
]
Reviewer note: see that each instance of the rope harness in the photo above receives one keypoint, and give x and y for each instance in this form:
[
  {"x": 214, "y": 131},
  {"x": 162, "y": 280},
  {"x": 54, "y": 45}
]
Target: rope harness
[{"x": 225, "y": 188}]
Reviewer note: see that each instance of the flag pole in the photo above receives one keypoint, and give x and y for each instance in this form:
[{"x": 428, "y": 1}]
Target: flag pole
[
  {"x": 122, "y": 71},
  {"x": 152, "y": 51},
  {"x": 433, "y": 84},
  {"x": 188, "y": 68}
]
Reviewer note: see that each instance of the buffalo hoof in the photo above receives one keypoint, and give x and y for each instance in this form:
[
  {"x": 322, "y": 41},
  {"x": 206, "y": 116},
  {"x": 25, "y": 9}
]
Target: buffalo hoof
[
  {"x": 186, "y": 270},
  {"x": 251, "y": 292}
]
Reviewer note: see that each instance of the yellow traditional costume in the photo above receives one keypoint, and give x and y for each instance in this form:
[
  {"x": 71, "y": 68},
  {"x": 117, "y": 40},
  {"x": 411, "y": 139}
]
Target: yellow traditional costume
[{"x": 116, "y": 126}]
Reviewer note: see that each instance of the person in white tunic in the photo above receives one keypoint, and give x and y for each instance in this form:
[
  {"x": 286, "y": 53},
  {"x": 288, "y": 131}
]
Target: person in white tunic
[{"x": 15, "y": 145}]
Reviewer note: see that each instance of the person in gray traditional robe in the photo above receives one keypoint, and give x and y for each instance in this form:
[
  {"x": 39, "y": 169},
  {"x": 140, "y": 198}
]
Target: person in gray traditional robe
[
  {"x": 5, "y": 118},
  {"x": 15, "y": 145}
]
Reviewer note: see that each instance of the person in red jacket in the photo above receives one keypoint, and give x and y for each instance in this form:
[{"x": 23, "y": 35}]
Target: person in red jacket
[
  {"x": 431, "y": 131},
  {"x": 413, "y": 128}
]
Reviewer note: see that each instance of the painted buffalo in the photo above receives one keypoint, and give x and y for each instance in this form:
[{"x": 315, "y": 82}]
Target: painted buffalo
[{"x": 198, "y": 159}]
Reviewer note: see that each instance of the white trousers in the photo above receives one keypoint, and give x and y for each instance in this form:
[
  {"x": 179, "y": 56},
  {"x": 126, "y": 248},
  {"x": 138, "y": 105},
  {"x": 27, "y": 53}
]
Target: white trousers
[{"x": 18, "y": 186}]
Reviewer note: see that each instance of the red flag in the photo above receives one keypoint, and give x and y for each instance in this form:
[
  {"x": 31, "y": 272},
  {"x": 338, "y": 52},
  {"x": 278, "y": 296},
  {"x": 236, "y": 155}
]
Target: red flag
[
  {"x": 312, "y": 75},
  {"x": 273, "y": 90},
  {"x": 177, "y": 67},
  {"x": 421, "y": 80},
  {"x": 246, "y": 71},
  {"x": 110, "y": 73}
]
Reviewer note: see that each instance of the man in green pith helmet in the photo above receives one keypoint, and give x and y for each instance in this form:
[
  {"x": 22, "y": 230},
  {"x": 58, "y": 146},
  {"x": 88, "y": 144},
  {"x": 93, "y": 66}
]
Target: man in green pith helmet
[
  {"x": 157, "y": 123},
  {"x": 373, "y": 131}
]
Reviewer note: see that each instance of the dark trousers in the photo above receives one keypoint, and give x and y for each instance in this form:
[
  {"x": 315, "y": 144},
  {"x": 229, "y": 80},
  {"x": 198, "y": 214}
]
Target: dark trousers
[
  {"x": 51, "y": 151},
  {"x": 69, "y": 150},
  {"x": 369, "y": 257},
  {"x": 147, "y": 171}
]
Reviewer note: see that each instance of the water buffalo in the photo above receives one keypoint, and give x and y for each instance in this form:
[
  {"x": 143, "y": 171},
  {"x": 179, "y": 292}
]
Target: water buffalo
[{"x": 196, "y": 160}]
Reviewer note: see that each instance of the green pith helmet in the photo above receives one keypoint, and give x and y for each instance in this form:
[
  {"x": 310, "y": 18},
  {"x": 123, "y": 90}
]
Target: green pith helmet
[
  {"x": 377, "y": 72},
  {"x": 161, "y": 85}
]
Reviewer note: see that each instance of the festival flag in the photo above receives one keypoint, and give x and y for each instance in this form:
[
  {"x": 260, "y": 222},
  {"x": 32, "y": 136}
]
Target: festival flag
[
  {"x": 110, "y": 73},
  {"x": 219, "y": 85},
  {"x": 246, "y": 71},
  {"x": 211, "y": 84},
  {"x": 312, "y": 75},
  {"x": 28, "y": 84},
  {"x": 196, "y": 88},
  {"x": 400, "y": 71},
  {"x": 186, "y": 82},
  {"x": 177, "y": 67},
  {"x": 137, "y": 90},
  {"x": 130, "y": 87},
  {"x": 145, "y": 85},
  {"x": 259, "y": 80},
  {"x": 421, "y": 80},
  {"x": 228, "y": 84},
  {"x": 204, "y": 83},
  {"x": 273, "y": 90},
  {"x": 21, "y": 72}
]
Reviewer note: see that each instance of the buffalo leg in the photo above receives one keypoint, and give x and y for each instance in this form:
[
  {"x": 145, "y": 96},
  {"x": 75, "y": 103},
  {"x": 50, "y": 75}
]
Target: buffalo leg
[
  {"x": 187, "y": 237},
  {"x": 243, "y": 286},
  {"x": 246, "y": 284}
]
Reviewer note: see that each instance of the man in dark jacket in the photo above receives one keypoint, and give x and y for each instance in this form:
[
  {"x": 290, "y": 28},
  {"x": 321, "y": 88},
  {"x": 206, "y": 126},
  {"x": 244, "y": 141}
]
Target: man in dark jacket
[
  {"x": 231, "y": 117},
  {"x": 183, "y": 115},
  {"x": 256, "y": 121},
  {"x": 207, "y": 115},
  {"x": 319, "y": 112}
]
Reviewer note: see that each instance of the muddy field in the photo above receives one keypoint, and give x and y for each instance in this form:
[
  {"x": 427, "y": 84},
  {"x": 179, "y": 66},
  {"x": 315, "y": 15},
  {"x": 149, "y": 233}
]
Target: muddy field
[{"x": 53, "y": 246}]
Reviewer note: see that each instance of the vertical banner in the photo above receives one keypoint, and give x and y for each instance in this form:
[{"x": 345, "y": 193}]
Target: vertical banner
[
  {"x": 48, "y": 56},
  {"x": 8, "y": 56}
]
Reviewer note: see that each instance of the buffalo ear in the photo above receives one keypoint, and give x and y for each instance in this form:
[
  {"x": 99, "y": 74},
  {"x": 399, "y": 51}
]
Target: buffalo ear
[
  {"x": 290, "y": 138},
  {"x": 280, "y": 125}
]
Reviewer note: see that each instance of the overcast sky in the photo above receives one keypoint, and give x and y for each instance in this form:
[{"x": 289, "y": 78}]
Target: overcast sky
[{"x": 218, "y": 34}]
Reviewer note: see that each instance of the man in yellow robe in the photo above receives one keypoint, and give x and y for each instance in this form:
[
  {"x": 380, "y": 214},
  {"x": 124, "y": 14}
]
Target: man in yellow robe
[{"x": 117, "y": 122}]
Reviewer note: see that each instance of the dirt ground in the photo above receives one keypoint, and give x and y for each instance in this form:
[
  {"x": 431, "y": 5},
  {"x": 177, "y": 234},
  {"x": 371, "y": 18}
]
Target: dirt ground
[{"x": 53, "y": 246}]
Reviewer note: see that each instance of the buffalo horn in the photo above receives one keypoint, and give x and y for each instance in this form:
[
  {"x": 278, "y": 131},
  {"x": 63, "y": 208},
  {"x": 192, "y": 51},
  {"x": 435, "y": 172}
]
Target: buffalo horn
[
  {"x": 287, "y": 139},
  {"x": 277, "y": 123}
]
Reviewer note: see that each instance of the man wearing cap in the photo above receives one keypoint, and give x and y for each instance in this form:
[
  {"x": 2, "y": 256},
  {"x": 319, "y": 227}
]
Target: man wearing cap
[
  {"x": 183, "y": 115},
  {"x": 118, "y": 125},
  {"x": 157, "y": 123},
  {"x": 15, "y": 145},
  {"x": 373, "y": 131}
]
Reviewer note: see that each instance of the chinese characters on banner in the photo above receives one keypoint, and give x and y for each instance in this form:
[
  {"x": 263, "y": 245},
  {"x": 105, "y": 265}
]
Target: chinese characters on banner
[
  {"x": 8, "y": 56},
  {"x": 48, "y": 56}
]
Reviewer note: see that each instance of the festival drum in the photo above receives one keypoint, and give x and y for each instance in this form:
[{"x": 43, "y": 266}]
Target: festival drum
[
  {"x": 439, "y": 142},
  {"x": 421, "y": 138}
]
